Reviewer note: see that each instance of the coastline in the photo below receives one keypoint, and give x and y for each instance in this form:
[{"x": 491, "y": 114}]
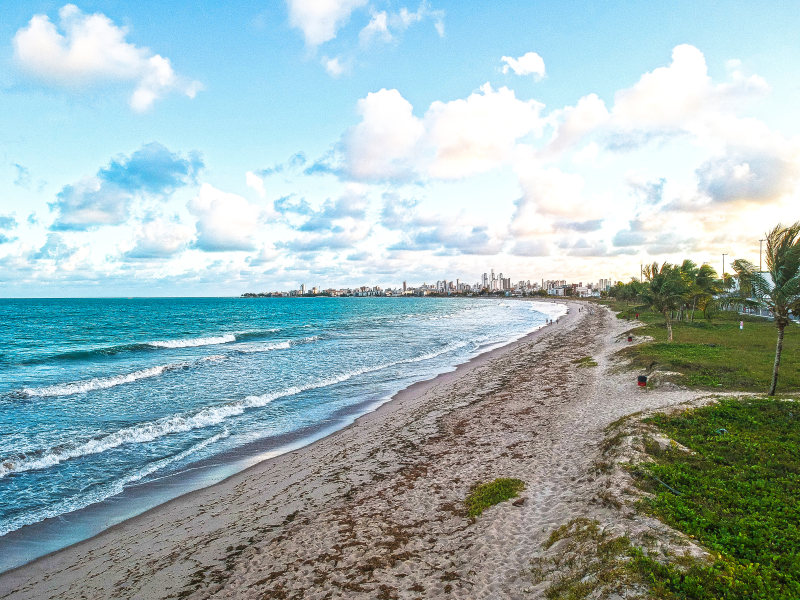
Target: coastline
[{"x": 204, "y": 477}]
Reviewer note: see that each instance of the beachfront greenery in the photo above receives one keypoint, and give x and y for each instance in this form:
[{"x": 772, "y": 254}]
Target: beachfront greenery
[
  {"x": 737, "y": 496},
  {"x": 780, "y": 293},
  {"x": 733, "y": 492},
  {"x": 713, "y": 354},
  {"x": 484, "y": 495},
  {"x": 665, "y": 291},
  {"x": 586, "y": 361}
]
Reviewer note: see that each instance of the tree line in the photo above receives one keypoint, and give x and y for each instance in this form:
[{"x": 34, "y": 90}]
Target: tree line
[{"x": 677, "y": 291}]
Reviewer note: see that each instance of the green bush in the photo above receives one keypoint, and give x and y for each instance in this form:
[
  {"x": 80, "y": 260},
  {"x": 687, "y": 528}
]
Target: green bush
[{"x": 485, "y": 495}]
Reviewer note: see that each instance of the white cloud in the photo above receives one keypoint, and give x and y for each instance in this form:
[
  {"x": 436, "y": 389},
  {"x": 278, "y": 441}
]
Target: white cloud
[
  {"x": 376, "y": 29},
  {"x": 160, "y": 239},
  {"x": 386, "y": 27},
  {"x": 667, "y": 96},
  {"x": 549, "y": 192},
  {"x": 529, "y": 63},
  {"x": 320, "y": 20},
  {"x": 574, "y": 122},
  {"x": 333, "y": 66},
  {"x": 480, "y": 132},
  {"x": 455, "y": 139},
  {"x": 747, "y": 175},
  {"x": 92, "y": 50},
  {"x": 225, "y": 221},
  {"x": 255, "y": 183},
  {"x": 682, "y": 98},
  {"x": 382, "y": 144}
]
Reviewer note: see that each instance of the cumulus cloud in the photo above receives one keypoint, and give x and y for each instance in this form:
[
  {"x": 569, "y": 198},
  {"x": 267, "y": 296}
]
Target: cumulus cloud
[
  {"x": 54, "y": 249},
  {"x": 385, "y": 27},
  {"x": 105, "y": 199},
  {"x": 529, "y": 63},
  {"x": 681, "y": 98},
  {"x": 328, "y": 218},
  {"x": 376, "y": 29},
  {"x": 255, "y": 183},
  {"x": 382, "y": 144},
  {"x": 334, "y": 66},
  {"x": 453, "y": 140},
  {"x": 574, "y": 122},
  {"x": 320, "y": 20},
  {"x": 224, "y": 221},
  {"x": 649, "y": 191},
  {"x": 88, "y": 204},
  {"x": 747, "y": 175},
  {"x": 91, "y": 49},
  {"x": 548, "y": 192},
  {"x": 531, "y": 247},
  {"x": 7, "y": 223},
  {"x": 159, "y": 238}
]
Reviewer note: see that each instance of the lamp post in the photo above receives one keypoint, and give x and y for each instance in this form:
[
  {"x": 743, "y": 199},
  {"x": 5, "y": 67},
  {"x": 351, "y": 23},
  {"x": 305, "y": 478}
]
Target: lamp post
[
  {"x": 724, "y": 254},
  {"x": 759, "y": 254}
]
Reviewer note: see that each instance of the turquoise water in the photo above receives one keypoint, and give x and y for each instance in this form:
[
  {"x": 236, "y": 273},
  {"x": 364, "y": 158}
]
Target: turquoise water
[{"x": 98, "y": 395}]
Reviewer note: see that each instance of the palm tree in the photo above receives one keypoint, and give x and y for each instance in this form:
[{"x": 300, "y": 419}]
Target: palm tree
[
  {"x": 780, "y": 293},
  {"x": 665, "y": 290}
]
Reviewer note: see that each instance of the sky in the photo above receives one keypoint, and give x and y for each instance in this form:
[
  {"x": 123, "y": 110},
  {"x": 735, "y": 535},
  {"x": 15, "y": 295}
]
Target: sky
[{"x": 207, "y": 148}]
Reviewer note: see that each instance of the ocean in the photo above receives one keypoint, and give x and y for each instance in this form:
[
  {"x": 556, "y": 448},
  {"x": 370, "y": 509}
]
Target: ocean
[{"x": 111, "y": 406}]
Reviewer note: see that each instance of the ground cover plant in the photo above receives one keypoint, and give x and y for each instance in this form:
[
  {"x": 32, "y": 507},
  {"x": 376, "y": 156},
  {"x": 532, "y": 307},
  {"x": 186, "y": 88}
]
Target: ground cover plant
[
  {"x": 714, "y": 353},
  {"x": 585, "y": 362},
  {"x": 485, "y": 495},
  {"x": 737, "y": 496}
]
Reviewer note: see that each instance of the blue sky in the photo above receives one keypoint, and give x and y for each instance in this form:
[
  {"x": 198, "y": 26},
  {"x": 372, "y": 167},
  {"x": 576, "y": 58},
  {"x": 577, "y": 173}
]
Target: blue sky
[{"x": 214, "y": 148}]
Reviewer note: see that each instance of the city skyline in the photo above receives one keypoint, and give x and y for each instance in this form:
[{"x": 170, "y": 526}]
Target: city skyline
[{"x": 206, "y": 149}]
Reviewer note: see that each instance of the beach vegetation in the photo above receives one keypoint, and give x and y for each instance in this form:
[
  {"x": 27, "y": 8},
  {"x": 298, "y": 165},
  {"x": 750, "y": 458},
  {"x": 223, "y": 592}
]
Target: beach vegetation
[
  {"x": 718, "y": 354},
  {"x": 586, "y": 361},
  {"x": 484, "y": 495},
  {"x": 778, "y": 289},
  {"x": 667, "y": 288},
  {"x": 735, "y": 494}
]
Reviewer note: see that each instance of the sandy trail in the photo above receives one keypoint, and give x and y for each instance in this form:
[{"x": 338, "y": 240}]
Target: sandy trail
[{"x": 375, "y": 510}]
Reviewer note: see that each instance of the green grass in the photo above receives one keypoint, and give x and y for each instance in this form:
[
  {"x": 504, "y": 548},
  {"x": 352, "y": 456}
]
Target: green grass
[
  {"x": 716, "y": 354},
  {"x": 484, "y": 495},
  {"x": 586, "y": 361},
  {"x": 738, "y": 496}
]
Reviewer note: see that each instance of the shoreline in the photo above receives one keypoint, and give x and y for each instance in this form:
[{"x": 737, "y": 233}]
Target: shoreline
[{"x": 235, "y": 463}]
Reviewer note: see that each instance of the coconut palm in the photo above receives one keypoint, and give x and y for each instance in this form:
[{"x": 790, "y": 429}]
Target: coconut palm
[
  {"x": 665, "y": 291},
  {"x": 780, "y": 291}
]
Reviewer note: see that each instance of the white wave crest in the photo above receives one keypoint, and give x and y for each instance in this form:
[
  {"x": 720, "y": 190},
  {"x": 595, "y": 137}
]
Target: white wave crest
[
  {"x": 99, "y": 383},
  {"x": 147, "y": 432},
  {"x": 137, "y": 434},
  {"x": 191, "y": 342},
  {"x": 265, "y": 348},
  {"x": 105, "y": 492}
]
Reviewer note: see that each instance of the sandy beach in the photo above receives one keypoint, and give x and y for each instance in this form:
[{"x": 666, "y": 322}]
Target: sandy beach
[{"x": 376, "y": 509}]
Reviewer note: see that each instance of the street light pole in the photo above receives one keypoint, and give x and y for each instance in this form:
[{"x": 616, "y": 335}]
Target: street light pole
[
  {"x": 759, "y": 254},
  {"x": 724, "y": 254}
]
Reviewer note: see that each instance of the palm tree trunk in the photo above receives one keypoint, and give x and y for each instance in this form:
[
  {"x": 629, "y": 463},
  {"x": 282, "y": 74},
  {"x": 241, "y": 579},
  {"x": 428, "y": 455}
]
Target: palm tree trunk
[
  {"x": 778, "y": 350},
  {"x": 694, "y": 304},
  {"x": 669, "y": 326}
]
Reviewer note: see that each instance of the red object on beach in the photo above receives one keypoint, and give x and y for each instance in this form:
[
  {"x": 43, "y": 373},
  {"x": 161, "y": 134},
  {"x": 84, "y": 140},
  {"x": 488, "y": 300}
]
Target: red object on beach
[
  {"x": 641, "y": 381},
  {"x": 630, "y": 338}
]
